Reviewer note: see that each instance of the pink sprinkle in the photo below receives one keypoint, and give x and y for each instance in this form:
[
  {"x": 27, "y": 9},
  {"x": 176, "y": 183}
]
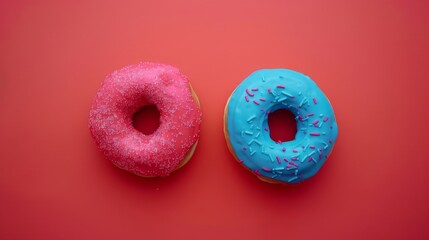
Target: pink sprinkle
[
  {"x": 300, "y": 176},
  {"x": 269, "y": 90},
  {"x": 284, "y": 149},
  {"x": 314, "y": 134},
  {"x": 249, "y": 93},
  {"x": 300, "y": 117},
  {"x": 268, "y": 112},
  {"x": 278, "y": 159},
  {"x": 320, "y": 156},
  {"x": 285, "y": 160},
  {"x": 240, "y": 161},
  {"x": 266, "y": 169},
  {"x": 326, "y": 119},
  {"x": 310, "y": 114},
  {"x": 266, "y": 129},
  {"x": 315, "y": 122},
  {"x": 244, "y": 148},
  {"x": 295, "y": 151},
  {"x": 296, "y": 165},
  {"x": 256, "y": 102},
  {"x": 247, "y": 98},
  {"x": 312, "y": 146},
  {"x": 330, "y": 141},
  {"x": 279, "y": 142},
  {"x": 294, "y": 159},
  {"x": 254, "y": 89},
  {"x": 310, "y": 159},
  {"x": 280, "y": 86},
  {"x": 262, "y": 99},
  {"x": 257, "y": 172},
  {"x": 315, "y": 100}
]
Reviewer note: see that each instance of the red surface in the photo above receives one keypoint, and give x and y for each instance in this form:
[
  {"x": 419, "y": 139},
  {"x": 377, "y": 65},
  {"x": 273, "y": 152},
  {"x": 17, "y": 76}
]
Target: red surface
[{"x": 370, "y": 58}]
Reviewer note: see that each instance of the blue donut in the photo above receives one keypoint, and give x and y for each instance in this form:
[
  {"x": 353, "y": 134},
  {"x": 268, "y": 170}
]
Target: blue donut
[{"x": 248, "y": 135}]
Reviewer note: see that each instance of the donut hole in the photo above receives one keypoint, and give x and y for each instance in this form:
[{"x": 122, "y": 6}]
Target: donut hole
[
  {"x": 282, "y": 125},
  {"x": 146, "y": 120}
]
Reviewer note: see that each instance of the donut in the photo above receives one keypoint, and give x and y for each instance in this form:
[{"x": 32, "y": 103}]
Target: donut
[
  {"x": 247, "y": 131},
  {"x": 122, "y": 94}
]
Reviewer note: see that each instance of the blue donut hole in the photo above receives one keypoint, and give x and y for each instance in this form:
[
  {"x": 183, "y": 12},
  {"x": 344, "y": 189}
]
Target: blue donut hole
[
  {"x": 282, "y": 125},
  {"x": 146, "y": 120}
]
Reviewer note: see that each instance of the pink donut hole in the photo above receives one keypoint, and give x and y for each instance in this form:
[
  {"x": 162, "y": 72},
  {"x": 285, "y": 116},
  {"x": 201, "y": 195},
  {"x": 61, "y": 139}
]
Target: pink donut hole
[{"x": 147, "y": 119}]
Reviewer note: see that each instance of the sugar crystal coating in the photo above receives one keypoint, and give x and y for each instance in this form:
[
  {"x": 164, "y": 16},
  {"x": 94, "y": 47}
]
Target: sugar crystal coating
[{"x": 121, "y": 95}]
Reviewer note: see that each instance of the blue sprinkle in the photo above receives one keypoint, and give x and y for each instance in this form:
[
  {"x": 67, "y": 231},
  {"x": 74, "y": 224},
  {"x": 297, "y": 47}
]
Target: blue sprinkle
[
  {"x": 282, "y": 99},
  {"x": 251, "y": 118},
  {"x": 296, "y": 172},
  {"x": 258, "y": 142},
  {"x": 250, "y": 142},
  {"x": 306, "y": 146},
  {"x": 271, "y": 157},
  {"x": 257, "y": 135},
  {"x": 248, "y": 133},
  {"x": 292, "y": 179},
  {"x": 304, "y": 100},
  {"x": 287, "y": 94}
]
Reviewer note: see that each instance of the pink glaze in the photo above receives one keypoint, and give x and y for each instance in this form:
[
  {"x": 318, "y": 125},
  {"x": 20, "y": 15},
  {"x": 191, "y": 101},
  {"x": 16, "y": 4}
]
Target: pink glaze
[{"x": 121, "y": 95}]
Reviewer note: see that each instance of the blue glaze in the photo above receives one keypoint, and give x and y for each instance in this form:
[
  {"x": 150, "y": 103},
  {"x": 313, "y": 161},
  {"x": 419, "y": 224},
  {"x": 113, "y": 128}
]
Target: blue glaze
[{"x": 247, "y": 125}]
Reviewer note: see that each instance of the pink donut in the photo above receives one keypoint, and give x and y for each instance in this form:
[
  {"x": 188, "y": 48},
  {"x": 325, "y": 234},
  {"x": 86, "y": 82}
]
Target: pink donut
[{"x": 122, "y": 94}]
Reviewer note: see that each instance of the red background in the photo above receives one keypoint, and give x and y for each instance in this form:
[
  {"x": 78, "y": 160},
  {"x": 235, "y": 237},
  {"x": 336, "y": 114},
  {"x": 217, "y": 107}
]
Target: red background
[{"x": 370, "y": 58}]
